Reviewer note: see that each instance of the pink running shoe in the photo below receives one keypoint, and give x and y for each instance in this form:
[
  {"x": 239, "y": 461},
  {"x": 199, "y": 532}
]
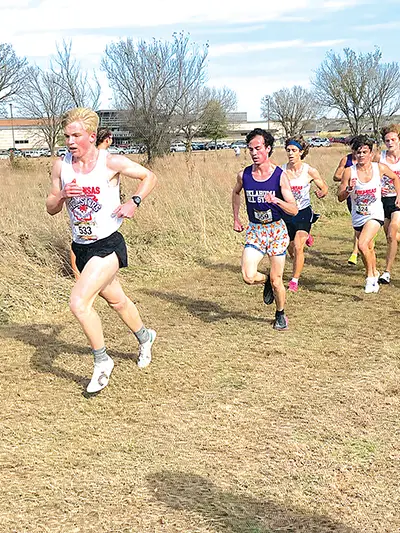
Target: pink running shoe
[
  {"x": 310, "y": 240},
  {"x": 293, "y": 286}
]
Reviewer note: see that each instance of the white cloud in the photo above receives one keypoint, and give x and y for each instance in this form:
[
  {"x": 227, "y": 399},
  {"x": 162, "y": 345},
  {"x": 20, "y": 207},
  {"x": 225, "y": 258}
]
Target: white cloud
[
  {"x": 394, "y": 25},
  {"x": 245, "y": 47},
  {"x": 60, "y": 15}
]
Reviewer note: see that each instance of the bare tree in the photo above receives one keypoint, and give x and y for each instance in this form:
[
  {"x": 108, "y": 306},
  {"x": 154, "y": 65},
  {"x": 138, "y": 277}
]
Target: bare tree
[
  {"x": 82, "y": 90},
  {"x": 12, "y": 72},
  {"x": 43, "y": 99},
  {"x": 343, "y": 83},
  {"x": 151, "y": 79},
  {"x": 291, "y": 108},
  {"x": 383, "y": 96},
  {"x": 225, "y": 96}
]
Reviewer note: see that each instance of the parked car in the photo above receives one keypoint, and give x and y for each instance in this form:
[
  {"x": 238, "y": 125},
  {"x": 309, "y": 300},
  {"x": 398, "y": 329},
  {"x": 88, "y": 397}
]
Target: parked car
[
  {"x": 114, "y": 150},
  {"x": 198, "y": 146},
  {"x": 62, "y": 151},
  {"x": 219, "y": 145},
  {"x": 32, "y": 153},
  {"x": 177, "y": 147},
  {"x": 240, "y": 144},
  {"x": 132, "y": 150},
  {"x": 318, "y": 142},
  {"x": 15, "y": 152}
]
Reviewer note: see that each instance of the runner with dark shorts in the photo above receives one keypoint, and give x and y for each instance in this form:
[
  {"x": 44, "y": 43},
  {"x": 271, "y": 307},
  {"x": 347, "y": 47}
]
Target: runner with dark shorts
[
  {"x": 362, "y": 182},
  {"x": 268, "y": 198},
  {"x": 346, "y": 162},
  {"x": 391, "y": 158},
  {"x": 87, "y": 182},
  {"x": 300, "y": 175}
]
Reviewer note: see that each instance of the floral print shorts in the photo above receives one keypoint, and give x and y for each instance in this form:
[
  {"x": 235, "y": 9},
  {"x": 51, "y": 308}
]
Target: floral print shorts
[{"x": 270, "y": 239}]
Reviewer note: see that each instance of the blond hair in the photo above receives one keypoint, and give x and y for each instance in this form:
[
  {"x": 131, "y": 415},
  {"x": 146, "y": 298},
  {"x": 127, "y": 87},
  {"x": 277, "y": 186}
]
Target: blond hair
[{"x": 86, "y": 116}]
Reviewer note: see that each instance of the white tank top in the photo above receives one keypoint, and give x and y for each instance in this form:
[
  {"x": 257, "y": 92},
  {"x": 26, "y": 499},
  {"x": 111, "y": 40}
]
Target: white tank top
[
  {"x": 91, "y": 215},
  {"x": 300, "y": 186},
  {"x": 366, "y": 203},
  {"x": 387, "y": 184}
]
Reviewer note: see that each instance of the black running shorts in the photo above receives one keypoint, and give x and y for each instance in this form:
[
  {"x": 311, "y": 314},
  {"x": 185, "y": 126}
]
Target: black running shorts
[
  {"x": 360, "y": 228},
  {"x": 101, "y": 248},
  {"x": 389, "y": 206},
  {"x": 348, "y": 203},
  {"x": 300, "y": 222}
]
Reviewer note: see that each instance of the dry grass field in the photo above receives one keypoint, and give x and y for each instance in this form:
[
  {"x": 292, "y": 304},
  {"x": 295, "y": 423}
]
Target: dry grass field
[{"x": 234, "y": 427}]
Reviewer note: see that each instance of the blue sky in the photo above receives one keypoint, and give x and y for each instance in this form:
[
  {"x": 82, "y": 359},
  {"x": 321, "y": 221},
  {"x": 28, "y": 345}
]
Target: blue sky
[{"x": 254, "y": 48}]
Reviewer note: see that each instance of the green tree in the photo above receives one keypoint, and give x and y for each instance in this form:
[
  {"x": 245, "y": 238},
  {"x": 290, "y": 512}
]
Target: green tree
[{"x": 214, "y": 122}]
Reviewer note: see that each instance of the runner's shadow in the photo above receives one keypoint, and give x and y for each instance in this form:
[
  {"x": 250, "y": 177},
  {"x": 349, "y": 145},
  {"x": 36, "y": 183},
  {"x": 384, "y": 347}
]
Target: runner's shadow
[
  {"x": 232, "y": 512},
  {"x": 48, "y": 347},
  {"x": 318, "y": 286},
  {"x": 205, "y": 310},
  {"x": 327, "y": 262},
  {"x": 236, "y": 269}
]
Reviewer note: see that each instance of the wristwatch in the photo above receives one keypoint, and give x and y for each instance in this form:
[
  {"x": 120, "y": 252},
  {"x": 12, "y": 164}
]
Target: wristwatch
[{"x": 136, "y": 200}]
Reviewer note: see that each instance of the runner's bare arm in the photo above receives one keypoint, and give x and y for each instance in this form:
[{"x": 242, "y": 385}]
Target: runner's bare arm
[
  {"x": 340, "y": 169},
  {"x": 288, "y": 204},
  {"x": 319, "y": 182},
  {"x": 344, "y": 187},
  {"x": 237, "y": 225},
  {"x": 57, "y": 196},
  {"x": 120, "y": 164},
  {"x": 386, "y": 171}
]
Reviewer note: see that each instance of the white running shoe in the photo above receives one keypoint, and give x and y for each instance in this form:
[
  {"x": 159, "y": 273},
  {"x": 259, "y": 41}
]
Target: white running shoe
[
  {"x": 371, "y": 285},
  {"x": 384, "y": 278},
  {"x": 145, "y": 350},
  {"x": 101, "y": 376}
]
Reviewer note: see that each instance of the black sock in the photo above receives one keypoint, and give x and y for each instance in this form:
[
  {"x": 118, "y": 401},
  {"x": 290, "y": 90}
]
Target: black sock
[{"x": 279, "y": 313}]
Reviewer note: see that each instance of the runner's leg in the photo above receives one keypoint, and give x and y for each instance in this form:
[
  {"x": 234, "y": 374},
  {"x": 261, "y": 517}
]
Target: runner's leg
[
  {"x": 276, "y": 273},
  {"x": 126, "y": 309},
  {"x": 366, "y": 246},
  {"x": 299, "y": 242},
  {"x": 97, "y": 274},
  {"x": 250, "y": 261},
  {"x": 391, "y": 228}
]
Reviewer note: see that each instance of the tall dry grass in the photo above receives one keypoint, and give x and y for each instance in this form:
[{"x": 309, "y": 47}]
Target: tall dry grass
[{"x": 187, "y": 218}]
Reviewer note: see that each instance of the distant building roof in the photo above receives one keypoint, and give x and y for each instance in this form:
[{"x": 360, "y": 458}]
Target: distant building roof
[{"x": 7, "y": 122}]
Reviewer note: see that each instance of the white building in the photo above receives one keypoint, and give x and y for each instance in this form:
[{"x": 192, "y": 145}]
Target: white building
[{"x": 21, "y": 133}]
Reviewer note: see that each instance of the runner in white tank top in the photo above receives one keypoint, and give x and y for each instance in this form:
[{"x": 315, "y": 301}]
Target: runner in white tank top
[
  {"x": 391, "y": 158},
  {"x": 91, "y": 216},
  {"x": 362, "y": 182},
  {"x": 300, "y": 177},
  {"x": 87, "y": 181},
  {"x": 365, "y": 197}
]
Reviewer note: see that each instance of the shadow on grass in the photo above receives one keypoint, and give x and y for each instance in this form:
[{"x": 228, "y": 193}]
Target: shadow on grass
[
  {"x": 209, "y": 265},
  {"x": 48, "y": 347},
  {"x": 323, "y": 287},
  {"x": 326, "y": 261},
  {"x": 235, "y": 513},
  {"x": 205, "y": 310}
]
